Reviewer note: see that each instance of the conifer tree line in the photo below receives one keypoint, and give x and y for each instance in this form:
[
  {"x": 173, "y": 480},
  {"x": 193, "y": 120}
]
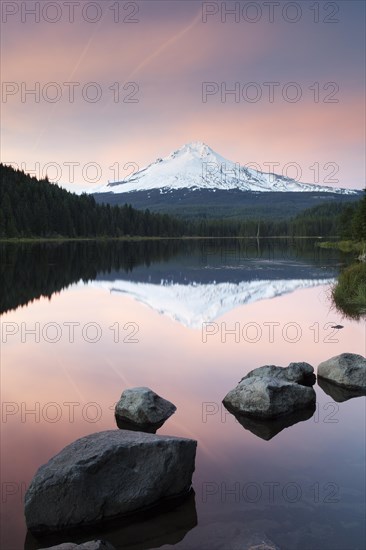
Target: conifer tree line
[
  {"x": 36, "y": 208},
  {"x": 33, "y": 208}
]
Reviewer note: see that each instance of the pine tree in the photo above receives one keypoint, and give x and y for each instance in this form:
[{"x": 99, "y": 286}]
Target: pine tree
[
  {"x": 7, "y": 217},
  {"x": 359, "y": 220}
]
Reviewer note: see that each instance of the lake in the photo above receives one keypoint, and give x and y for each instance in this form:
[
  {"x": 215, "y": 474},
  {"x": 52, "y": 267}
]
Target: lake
[{"x": 83, "y": 321}]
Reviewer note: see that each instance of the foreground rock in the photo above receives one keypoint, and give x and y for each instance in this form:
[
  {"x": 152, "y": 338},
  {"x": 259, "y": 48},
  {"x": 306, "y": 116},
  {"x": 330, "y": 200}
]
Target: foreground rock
[
  {"x": 143, "y": 410},
  {"x": 271, "y": 391},
  {"x": 347, "y": 370},
  {"x": 91, "y": 545},
  {"x": 107, "y": 475}
]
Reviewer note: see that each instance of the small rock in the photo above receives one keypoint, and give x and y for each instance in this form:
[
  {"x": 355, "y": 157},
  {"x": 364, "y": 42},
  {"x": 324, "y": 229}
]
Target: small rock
[
  {"x": 143, "y": 410},
  {"x": 347, "y": 370},
  {"x": 105, "y": 475},
  {"x": 268, "y": 397},
  {"x": 271, "y": 391}
]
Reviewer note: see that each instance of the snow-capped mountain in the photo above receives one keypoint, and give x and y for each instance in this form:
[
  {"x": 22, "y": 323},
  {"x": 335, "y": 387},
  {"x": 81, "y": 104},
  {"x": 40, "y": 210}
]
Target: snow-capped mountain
[
  {"x": 195, "y": 166},
  {"x": 193, "y": 304}
]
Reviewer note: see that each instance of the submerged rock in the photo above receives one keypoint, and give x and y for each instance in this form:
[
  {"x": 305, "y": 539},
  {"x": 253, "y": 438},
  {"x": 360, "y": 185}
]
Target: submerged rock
[
  {"x": 228, "y": 535},
  {"x": 90, "y": 545},
  {"x": 107, "y": 475},
  {"x": 143, "y": 410},
  {"x": 271, "y": 391},
  {"x": 164, "y": 525},
  {"x": 347, "y": 370}
]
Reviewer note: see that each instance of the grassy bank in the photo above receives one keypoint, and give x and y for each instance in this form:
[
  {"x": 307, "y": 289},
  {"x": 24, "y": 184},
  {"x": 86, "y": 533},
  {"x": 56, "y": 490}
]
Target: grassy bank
[
  {"x": 344, "y": 246},
  {"x": 349, "y": 294}
]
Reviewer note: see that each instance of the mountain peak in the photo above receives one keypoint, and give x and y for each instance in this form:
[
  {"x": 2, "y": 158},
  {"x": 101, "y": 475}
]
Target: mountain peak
[
  {"x": 195, "y": 145},
  {"x": 196, "y": 148},
  {"x": 196, "y": 166}
]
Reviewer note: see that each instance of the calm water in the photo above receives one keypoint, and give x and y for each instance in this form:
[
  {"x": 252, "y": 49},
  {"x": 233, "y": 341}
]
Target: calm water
[{"x": 82, "y": 322}]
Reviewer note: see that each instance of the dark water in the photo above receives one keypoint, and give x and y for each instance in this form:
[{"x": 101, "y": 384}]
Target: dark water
[{"x": 140, "y": 313}]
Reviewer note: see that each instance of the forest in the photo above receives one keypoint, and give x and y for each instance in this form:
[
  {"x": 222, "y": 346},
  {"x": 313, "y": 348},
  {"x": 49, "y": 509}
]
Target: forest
[{"x": 31, "y": 208}]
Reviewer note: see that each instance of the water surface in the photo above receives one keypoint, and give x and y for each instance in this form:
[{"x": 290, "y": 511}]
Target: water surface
[{"x": 83, "y": 321}]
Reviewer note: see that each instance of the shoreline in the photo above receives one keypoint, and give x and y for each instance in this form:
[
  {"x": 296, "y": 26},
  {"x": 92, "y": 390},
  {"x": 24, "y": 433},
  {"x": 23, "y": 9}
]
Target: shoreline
[
  {"x": 26, "y": 240},
  {"x": 344, "y": 246}
]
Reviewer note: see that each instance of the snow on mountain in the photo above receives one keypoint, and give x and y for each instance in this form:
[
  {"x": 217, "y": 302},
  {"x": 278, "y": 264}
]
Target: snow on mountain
[
  {"x": 197, "y": 166},
  {"x": 193, "y": 304}
]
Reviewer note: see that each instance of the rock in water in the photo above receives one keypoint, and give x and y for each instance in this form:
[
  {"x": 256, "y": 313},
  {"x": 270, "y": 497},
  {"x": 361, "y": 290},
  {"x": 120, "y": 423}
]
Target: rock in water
[
  {"x": 227, "y": 534},
  {"x": 347, "y": 370},
  {"x": 91, "y": 545},
  {"x": 106, "y": 475},
  {"x": 142, "y": 409},
  {"x": 295, "y": 372},
  {"x": 268, "y": 397},
  {"x": 168, "y": 525},
  {"x": 271, "y": 391}
]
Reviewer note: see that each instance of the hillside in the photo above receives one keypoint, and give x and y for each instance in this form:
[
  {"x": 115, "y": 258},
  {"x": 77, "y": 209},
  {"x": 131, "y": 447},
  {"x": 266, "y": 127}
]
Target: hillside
[{"x": 228, "y": 205}]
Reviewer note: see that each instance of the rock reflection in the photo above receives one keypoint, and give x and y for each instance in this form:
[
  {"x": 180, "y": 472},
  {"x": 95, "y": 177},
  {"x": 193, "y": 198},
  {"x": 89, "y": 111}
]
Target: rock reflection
[
  {"x": 338, "y": 393},
  {"x": 168, "y": 524},
  {"x": 267, "y": 429}
]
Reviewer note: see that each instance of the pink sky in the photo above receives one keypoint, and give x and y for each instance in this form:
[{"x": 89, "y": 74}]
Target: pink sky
[{"x": 168, "y": 54}]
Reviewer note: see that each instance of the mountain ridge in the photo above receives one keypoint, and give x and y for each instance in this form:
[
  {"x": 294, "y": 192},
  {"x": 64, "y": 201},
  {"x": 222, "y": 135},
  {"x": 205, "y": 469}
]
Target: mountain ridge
[{"x": 195, "y": 166}]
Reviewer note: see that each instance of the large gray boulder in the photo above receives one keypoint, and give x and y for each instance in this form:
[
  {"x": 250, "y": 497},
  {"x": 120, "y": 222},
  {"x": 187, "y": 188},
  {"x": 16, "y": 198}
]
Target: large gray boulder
[
  {"x": 271, "y": 391},
  {"x": 90, "y": 545},
  {"x": 347, "y": 370},
  {"x": 143, "y": 410},
  {"x": 106, "y": 475}
]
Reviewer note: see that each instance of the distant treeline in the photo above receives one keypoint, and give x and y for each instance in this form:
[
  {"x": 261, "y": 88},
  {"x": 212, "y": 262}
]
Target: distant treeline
[
  {"x": 33, "y": 208},
  {"x": 352, "y": 220},
  {"x": 323, "y": 220},
  {"x": 36, "y": 208}
]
